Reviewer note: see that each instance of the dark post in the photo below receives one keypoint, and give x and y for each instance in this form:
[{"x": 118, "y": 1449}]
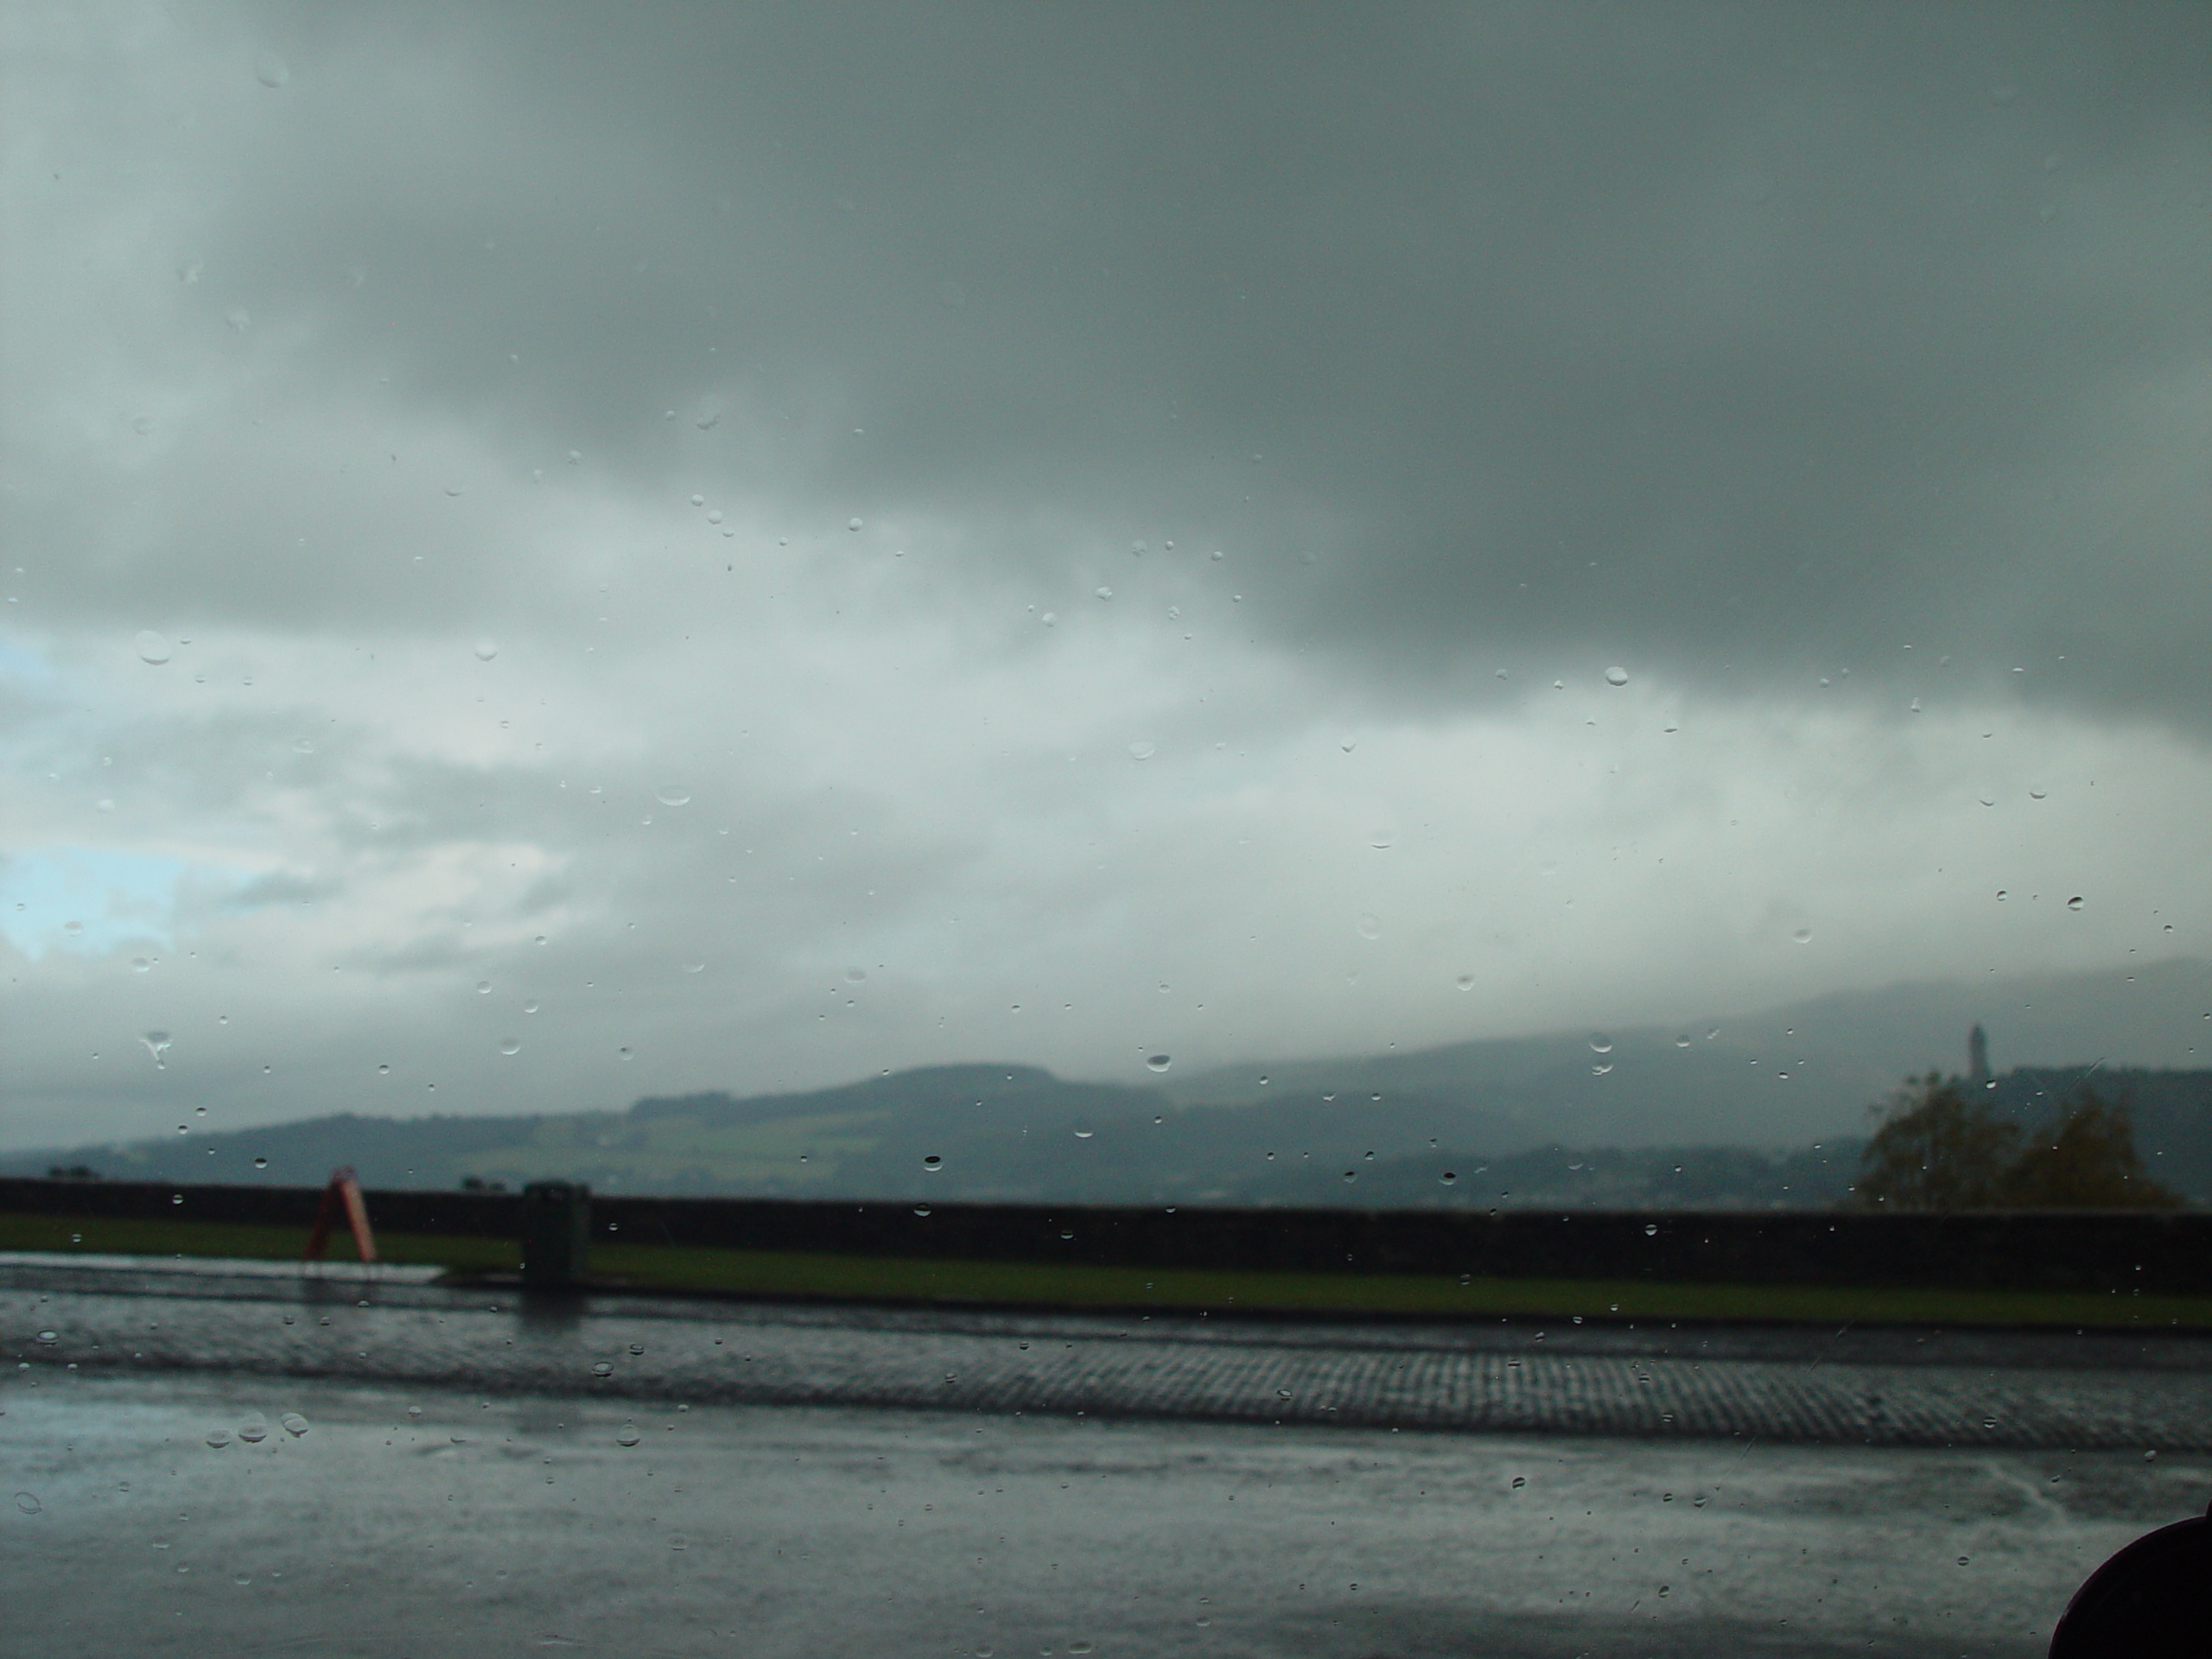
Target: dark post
[{"x": 555, "y": 1234}]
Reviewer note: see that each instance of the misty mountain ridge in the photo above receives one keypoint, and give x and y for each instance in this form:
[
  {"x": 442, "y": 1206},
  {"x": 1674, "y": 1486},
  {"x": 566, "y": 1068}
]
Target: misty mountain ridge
[{"x": 1766, "y": 1108}]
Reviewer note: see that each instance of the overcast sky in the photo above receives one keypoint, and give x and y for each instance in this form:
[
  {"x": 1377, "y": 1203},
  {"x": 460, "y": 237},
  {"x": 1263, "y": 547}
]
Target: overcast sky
[{"x": 723, "y": 547}]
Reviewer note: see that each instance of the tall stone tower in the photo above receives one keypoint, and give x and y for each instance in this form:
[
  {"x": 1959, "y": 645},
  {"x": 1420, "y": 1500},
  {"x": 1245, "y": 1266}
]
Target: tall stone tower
[{"x": 1978, "y": 1070}]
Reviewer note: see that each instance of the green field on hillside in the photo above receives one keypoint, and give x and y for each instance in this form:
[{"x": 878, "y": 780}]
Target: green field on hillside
[{"x": 860, "y": 1278}]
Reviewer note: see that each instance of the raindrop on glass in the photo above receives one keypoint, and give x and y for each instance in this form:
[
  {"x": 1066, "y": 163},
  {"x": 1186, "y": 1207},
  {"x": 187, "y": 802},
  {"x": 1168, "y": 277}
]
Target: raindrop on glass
[
  {"x": 510, "y": 1045},
  {"x": 261, "y": 1163},
  {"x": 1448, "y": 1176},
  {"x": 627, "y": 1435},
  {"x": 1083, "y": 1129},
  {"x": 1803, "y": 935},
  {"x": 483, "y": 988},
  {"x": 220, "y": 1437},
  {"x": 28, "y": 1503},
  {"x": 153, "y": 648},
  {"x": 1465, "y": 981},
  {"x": 294, "y": 1424},
  {"x": 2076, "y": 902},
  {"x": 1158, "y": 1062},
  {"x": 1600, "y": 1043},
  {"x": 1617, "y": 676},
  {"x": 487, "y": 649},
  {"x": 1105, "y": 593},
  {"x": 672, "y": 795},
  {"x": 272, "y": 70},
  {"x": 1370, "y": 926},
  {"x": 932, "y": 1163},
  {"x": 602, "y": 1368},
  {"x": 1142, "y": 750},
  {"x": 852, "y": 523}
]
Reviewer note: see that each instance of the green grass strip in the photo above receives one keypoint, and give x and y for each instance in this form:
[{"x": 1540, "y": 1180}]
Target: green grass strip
[
  {"x": 124, "y": 1236},
  {"x": 863, "y": 1278}
]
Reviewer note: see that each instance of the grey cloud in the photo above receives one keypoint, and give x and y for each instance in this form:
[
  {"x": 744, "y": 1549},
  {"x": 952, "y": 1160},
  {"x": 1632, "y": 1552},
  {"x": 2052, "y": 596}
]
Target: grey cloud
[{"x": 1772, "y": 339}]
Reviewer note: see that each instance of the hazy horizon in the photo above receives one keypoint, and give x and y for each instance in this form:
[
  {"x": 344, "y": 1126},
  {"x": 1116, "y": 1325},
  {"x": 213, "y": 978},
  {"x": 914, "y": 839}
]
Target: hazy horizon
[{"x": 577, "y": 555}]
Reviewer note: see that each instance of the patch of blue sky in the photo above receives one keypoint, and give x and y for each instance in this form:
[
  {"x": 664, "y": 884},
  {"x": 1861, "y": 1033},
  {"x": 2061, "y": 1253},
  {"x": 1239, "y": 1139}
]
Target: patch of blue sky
[
  {"x": 115, "y": 898},
  {"x": 20, "y": 662}
]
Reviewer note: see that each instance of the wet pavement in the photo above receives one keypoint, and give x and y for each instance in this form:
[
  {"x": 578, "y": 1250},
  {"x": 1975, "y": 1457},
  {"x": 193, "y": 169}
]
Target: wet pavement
[
  {"x": 1883, "y": 1386},
  {"x": 767, "y": 1480}
]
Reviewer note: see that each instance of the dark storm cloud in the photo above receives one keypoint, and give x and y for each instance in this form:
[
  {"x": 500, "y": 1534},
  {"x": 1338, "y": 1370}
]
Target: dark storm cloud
[{"x": 1764, "y": 338}]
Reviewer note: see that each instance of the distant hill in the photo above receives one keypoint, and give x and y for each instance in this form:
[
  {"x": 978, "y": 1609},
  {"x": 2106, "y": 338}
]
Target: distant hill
[{"x": 1577, "y": 1119}]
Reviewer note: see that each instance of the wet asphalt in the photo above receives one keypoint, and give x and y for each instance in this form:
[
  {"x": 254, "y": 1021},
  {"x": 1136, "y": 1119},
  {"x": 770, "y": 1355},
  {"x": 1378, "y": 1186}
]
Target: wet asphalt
[{"x": 787, "y": 1480}]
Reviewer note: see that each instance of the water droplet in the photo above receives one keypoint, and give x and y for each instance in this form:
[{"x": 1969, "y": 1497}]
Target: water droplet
[
  {"x": 1465, "y": 981},
  {"x": 1370, "y": 926},
  {"x": 1448, "y": 1176},
  {"x": 932, "y": 1163},
  {"x": 153, "y": 648},
  {"x": 141, "y": 966},
  {"x": 487, "y": 649},
  {"x": 852, "y": 523},
  {"x": 1142, "y": 749},
  {"x": 293, "y": 1424},
  {"x": 1049, "y": 618},
  {"x": 540, "y": 939},
  {"x": 1383, "y": 840},
  {"x": 1803, "y": 935},
  {"x": 1600, "y": 1069},
  {"x": 1083, "y": 1129},
  {"x": 921, "y": 1209},
  {"x": 530, "y": 1008},
  {"x": 698, "y": 500},
  {"x": 637, "y": 1347},
  {"x": 49, "y": 1338},
  {"x": 2076, "y": 902},
  {"x": 715, "y": 517},
  {"x": 272, "y": 70},
  {"x": 1652, "y": 1230},
  {"x": 1519, "y": 1481},
  {"x": 602, "y": 1368},
  {"x": 261, "y": 1163},
  {"x": 1103, "y": 592},
  {"x": 672, "y": 795},
  {"x": 1617, "y": 676},
  {"x": 1600, "y": 1043},
  {"x": 383, "y": 1071},
  {"x": 238, "y": 319},
  {"x": 2036, "y": 794},
  {"x": 627, "y": 1435},
  {"x": 219, "y": 1438},
  {"x": 695, "y": 966},
  {"x": 483, "y": 988},
  {"x": 72, "y": 929},
  {"x": 28, "y": 1503},
  {"x": 1682, "y": 1041},
  {"x": 511, "y": 1046},
  {"x": 1158, "y": 1062},
  {"x": 253, "y": 1434},
  {"x": 157, "y": 1045}
]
